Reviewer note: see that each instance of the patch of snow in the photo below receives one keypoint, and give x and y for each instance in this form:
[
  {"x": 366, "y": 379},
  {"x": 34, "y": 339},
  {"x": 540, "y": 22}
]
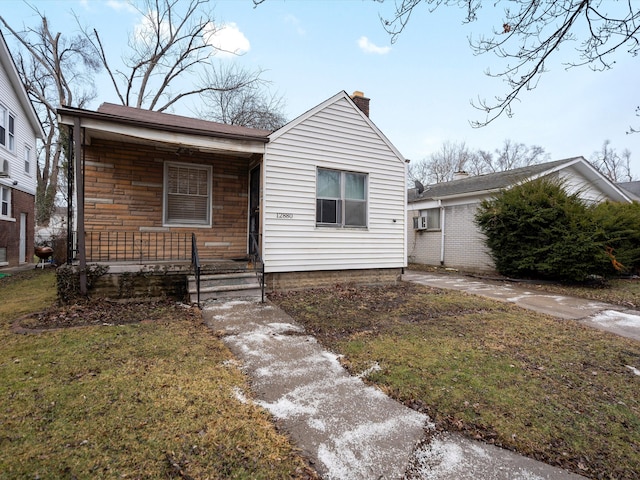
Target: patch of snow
[
  {"x": 633, "y": 369},
  {"x": 239, "y": 395},
  {"x": 373, "y": 368},
  {"x": 280, "y": 327},
  {"x": 317, "y": 424},
  {"x": 620, "y": 318},
  {"x": 348, "y": 456},
  {"x": 285, "y": 408}
]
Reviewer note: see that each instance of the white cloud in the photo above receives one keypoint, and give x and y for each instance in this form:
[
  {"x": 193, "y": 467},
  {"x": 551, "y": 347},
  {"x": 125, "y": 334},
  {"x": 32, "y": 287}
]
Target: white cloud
[
  {"x": 120, "y": 5},
  {"x": 368, "y": 47},
  {"x": 145, "y": 31},
  {"x": 293, "y": 20},
  {"x": 227, "y": 38}
]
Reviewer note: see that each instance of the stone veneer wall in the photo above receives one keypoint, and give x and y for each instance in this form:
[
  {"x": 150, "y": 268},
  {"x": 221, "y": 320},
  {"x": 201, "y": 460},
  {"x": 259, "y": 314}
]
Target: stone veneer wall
[{"x": 124, "y": 190}]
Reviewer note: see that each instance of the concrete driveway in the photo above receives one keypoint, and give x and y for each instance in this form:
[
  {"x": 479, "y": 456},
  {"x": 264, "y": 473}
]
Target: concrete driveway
[{"x": 613, "y": 318}]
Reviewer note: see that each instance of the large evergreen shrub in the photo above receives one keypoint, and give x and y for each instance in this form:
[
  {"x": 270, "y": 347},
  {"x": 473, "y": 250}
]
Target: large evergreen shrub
[
  {"x": 538, "y": 230},
  {"x": 619, "y": 230}
]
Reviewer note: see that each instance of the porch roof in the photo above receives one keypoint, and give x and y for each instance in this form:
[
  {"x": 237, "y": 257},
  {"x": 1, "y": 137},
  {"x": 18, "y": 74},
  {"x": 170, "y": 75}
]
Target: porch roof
[{"x": 117, "y": 122}]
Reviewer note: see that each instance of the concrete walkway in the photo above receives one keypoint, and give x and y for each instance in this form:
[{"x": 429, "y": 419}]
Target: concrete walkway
[
  {"x": 347, "y": 429},
  {"x": 613, "y": 318}
]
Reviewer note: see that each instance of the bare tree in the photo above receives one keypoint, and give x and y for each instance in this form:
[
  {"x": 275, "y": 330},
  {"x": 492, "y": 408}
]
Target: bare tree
[
  {"x": 532, "y": 32},
  {"x": 56, "y": 70},
  {"x": 616, "y": 167},
  {"x": 250, "y": 105},
  {"x": 172, "y": 43},
  {"x": 515, "y": 155},
  {"x": 441, "y": 165},
  {"x": 456, "y": 157}
]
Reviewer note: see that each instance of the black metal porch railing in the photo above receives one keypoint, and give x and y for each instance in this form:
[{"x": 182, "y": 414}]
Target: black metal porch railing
[
  {"x": 256, "y": 260},
  {"x": 195, "y": 264},
  {"x": 140, "y": 247}
]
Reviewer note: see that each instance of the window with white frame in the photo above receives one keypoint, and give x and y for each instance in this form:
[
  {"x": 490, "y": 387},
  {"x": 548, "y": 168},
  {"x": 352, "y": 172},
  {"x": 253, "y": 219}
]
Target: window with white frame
[
  {"x": 341, "y": 198},
  {"x": 5, "y": 201},
  {"x": 7, "y": 129},
  {"x": 27, "y": 159},
  {"x": 187, "y": 194},
  {"x": 11, "y": 144},
  {"x": 3, "y": 126}
]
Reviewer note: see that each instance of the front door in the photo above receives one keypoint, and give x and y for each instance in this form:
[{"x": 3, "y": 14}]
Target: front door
[{"x": 254, "y": 211}]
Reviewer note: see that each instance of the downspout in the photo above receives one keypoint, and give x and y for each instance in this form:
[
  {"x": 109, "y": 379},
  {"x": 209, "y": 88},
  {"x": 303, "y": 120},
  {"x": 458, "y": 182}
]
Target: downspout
[
  {"x": 82, "y": 257},
  {"x": 442, "y": 235}
]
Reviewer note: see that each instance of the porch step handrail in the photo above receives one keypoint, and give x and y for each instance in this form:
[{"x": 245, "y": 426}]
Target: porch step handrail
[
  {"x": 257, "y": 259},
  {"x": 195, "y": 264}
]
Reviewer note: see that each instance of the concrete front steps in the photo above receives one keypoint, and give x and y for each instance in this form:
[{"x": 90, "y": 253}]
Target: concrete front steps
[{"x": 225, "y": 285}]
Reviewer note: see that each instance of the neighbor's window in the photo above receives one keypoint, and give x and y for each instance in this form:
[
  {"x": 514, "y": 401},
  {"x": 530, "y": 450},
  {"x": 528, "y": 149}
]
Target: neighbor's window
[
  {"x": 27, "y": 159},
  {"x": 187, "y": 194},
  {"x": 341, "y": 198},
  {"x": 5, "y": 201},
  {"x": 3, "y": 254},
  {"x": 3, "y": 126},
  {"x": 433, "y": 218},
  {"x": 12, "y": 137}
]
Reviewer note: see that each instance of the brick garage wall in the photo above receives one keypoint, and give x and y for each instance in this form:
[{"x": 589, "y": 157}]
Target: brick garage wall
[
  {"x": 124, "y": 188},
  {"x": 302, "y": 280},
  {"x": 464, "y": 243},
  {"x": 21, "y": 202}
]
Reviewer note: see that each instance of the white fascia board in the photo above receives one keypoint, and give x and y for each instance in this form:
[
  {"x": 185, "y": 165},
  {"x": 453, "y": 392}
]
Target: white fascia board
[{"x": 196, "y": 141}]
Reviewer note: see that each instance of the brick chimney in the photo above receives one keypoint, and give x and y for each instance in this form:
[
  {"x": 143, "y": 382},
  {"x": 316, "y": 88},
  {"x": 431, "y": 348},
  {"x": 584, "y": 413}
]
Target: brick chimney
[{"x": 361, "y": 101}]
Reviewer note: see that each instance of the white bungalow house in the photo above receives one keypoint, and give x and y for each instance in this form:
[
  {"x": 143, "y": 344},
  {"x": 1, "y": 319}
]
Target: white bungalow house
[
  {"x": 19, "y": 129},
  {"x": 321, "y": 200},
  {"x": 441, "y": 230}
]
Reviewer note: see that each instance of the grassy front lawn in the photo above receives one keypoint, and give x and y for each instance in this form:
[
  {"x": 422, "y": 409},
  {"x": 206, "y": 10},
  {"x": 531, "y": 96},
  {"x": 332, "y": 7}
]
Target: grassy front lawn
[
  {"x": 550, "y": 389},
  {"x": 151, "y": 399}
]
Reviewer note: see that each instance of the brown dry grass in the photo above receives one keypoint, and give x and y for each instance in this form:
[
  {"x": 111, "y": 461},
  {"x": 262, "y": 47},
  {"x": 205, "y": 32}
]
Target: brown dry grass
[{"x": 553, "y": 390}]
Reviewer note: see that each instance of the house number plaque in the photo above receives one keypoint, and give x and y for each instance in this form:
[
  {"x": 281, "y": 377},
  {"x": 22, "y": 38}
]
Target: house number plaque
[{"x": 284, "y": 215}]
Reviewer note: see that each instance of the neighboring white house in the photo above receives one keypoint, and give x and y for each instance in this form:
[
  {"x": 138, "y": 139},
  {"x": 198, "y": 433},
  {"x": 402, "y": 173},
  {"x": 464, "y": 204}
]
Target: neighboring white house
[
  {"x": 331, "y": 195},
  {"x": 19, "y": 129},
  {"x": 441, "y": 228}
]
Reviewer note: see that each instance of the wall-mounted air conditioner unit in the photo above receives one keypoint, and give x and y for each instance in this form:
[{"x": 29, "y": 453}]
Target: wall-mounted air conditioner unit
[
  {"x": 420, "y": 223},
  {"x": 4, "y": 168}
]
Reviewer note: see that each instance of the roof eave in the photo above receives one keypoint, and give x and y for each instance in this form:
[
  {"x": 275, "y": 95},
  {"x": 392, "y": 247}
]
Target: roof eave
[{"x": 67, "y": 114}]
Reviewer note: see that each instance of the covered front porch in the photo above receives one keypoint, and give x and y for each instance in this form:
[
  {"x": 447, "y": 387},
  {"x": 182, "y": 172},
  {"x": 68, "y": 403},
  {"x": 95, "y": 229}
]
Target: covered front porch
[{"x": 161, "y": 193}]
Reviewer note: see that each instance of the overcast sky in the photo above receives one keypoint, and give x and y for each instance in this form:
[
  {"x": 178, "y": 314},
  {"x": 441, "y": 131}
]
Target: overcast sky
[{"x": 420, "y": 86}]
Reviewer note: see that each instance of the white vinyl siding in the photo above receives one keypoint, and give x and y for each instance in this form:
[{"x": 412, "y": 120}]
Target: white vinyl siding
[
  {"x": 333, "y": 137},
  {"x": 22, "y": 134},
  {"x": 187, "y": 194}
]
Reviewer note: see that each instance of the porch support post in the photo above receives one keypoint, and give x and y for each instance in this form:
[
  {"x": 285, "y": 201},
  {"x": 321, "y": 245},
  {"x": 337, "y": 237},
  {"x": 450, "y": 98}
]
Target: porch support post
[
  {"x": 77, "y": 155},
  {"x": 70, "y": 204}
]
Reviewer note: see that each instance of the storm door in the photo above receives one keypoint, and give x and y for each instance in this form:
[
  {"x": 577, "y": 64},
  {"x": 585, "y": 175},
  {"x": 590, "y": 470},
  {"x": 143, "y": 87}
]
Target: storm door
[{"x": 254, "y": 211}]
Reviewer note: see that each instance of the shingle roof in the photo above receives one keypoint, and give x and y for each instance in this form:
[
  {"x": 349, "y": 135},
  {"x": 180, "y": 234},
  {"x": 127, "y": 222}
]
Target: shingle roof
[
  {"x": 483, "y": 183},
  {"x": 633, "y": 187},
  {"x": 167, "y": 121}
]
